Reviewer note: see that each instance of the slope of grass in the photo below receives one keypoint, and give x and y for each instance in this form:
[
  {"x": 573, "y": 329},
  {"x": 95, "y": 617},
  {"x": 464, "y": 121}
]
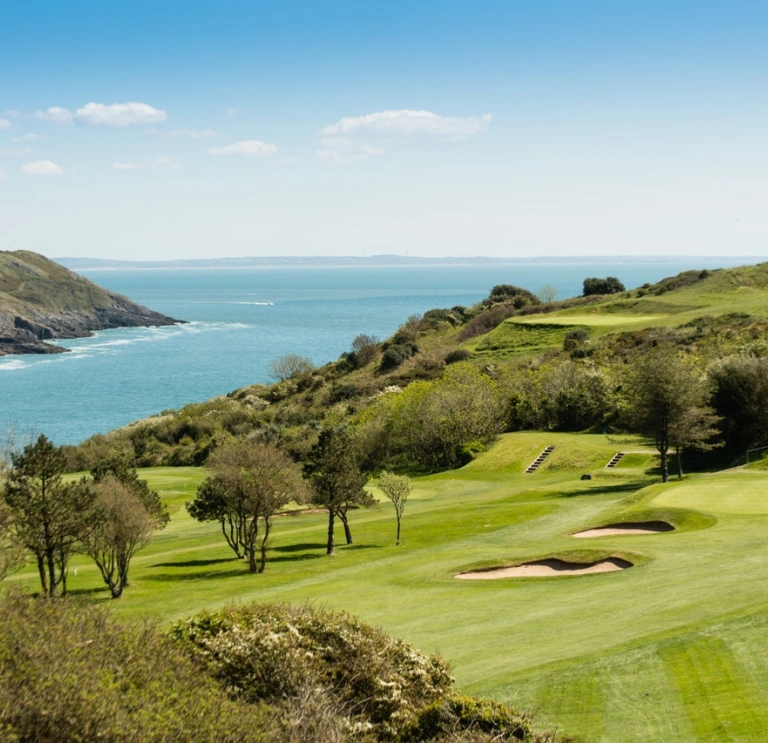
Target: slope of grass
[{"x": 667, "y": 650}]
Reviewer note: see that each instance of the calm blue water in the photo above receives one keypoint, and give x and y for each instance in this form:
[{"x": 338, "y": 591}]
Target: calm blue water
[{"x": 240, "y": 320}]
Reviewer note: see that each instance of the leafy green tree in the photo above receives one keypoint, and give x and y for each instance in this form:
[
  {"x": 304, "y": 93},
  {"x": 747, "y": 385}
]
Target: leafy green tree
[
  {"x": 336, "y": 480},
  {"x": 121, "y": 467},
  {"x": 397, "y": 488},
  {"x": 51, "y": 517},
  {"x": 740, "y": 398},
  {"x": 665, "y": 393},
  {"x": 252, "y": 482},
  {"x": 215, "y": 502},
  {"x": 123, "y": 526},
  {"x": 695, "y": 428},
  {"x": 608, "y": 285}
]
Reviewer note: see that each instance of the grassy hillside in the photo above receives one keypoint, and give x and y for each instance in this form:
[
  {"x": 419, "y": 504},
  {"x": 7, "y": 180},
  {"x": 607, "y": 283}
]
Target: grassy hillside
[
  {"x": 41, "y": 300},
  {"x": 710, "y": 314},
  {"x": 666, "y": 650}
]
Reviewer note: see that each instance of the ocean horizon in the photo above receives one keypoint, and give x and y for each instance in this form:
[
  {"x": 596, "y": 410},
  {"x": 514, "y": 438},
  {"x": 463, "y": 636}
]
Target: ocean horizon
[{"x": 241, "y": 319}]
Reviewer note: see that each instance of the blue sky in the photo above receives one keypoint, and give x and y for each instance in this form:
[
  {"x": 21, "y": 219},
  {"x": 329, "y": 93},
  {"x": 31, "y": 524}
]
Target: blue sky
[{"x": 196, "y": 129}]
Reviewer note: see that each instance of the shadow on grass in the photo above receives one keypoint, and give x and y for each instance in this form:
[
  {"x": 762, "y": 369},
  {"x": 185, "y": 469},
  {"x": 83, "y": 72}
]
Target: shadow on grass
[
  {"x": 300, "y": 547},
  {"x": 170, "y": 577},
  {"x": 89, "y": 592},
  {"x": 193, "y": 563},
  {"x": 618, "y": 489},
  {"x": 360, "y": 546}
]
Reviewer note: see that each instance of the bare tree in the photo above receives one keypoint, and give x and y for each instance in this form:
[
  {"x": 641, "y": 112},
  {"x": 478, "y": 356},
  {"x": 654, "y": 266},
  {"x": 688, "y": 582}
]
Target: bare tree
[
  {"x": 397, "y": 488},
  {"x": 365, "y": 348},
  {"x": 123, "y": 526},
  {"x": 288, "y": 366},
  {"x": 547, "y": 293},
  {"x": 252, "y": 482}
]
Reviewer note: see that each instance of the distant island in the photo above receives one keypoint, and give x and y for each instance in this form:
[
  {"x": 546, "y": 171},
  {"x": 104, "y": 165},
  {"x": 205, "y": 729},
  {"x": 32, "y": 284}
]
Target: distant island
[
  {"x": 41, "y": 300},
  {"x": 371, "y": 261}
]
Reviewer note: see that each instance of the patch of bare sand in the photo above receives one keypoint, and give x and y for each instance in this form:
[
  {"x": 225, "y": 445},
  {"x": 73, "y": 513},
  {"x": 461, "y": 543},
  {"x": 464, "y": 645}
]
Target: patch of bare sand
[
  {"x": 628, "y": 527},
  {"x": 547, "y": 568}
]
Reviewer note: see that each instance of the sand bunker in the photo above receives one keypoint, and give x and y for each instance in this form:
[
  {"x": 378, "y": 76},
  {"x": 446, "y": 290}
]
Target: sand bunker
[
  {"x": 628, "y": 527},
  {"x": 549, "y": 567}
]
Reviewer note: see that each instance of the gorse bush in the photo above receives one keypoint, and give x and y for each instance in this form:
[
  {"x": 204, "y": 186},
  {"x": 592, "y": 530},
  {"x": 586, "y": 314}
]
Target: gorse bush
[
  {"x": 70, "y": 674},
  {"x": 274, "y": 652}
]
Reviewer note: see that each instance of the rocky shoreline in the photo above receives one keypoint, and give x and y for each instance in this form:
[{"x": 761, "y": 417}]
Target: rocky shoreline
[
  {"x": 28, "y": 335},
  {"x": 43, "y": 301}
]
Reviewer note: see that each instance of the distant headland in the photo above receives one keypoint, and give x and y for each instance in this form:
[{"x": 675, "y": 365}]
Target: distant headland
[{"x": 41, "y": 300}]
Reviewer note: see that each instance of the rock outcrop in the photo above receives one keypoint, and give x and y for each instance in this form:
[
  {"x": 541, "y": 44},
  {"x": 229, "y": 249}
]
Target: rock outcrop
[{"x": 41, "y": 300}]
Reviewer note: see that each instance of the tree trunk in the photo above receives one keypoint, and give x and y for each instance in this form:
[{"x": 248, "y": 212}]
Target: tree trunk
[
  {"x": 397, "y": 543},
  {"x": 347, "y": 532},
  {"x": 41, "y": 570},
  {"x": 52, "y": 582},
  {"x": 331, "y": 541},
  {"x": 267, "y": 527},
  {"x": 679, "y": 463},
  {"x": 664, "y": 466}
]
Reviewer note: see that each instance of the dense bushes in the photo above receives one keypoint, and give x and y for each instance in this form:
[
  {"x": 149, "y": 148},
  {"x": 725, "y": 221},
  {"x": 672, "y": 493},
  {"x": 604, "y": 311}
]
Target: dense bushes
[
  {"x": 266, "y": 673},
  {"x": 272, "y": 652},
  {"x": 608, "y": 285},
  {"x": 68, "y": 673},
  {"x": 431, "y": 422}
]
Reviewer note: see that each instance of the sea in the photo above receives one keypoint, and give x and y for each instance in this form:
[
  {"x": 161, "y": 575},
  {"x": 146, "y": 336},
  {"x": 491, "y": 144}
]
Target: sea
[{"x": 240, "y": 320}]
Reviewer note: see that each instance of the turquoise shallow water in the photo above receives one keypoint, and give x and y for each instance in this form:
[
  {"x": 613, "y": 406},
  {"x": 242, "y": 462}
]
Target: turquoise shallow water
[{"x": 239, "y": 321}]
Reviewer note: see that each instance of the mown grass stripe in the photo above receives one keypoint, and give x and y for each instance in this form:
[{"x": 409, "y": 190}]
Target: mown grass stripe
[{"x": 716, "y": 692}]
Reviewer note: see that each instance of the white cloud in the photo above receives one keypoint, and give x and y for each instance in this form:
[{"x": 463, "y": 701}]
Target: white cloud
[
  {"x": 233, "y": 111},
  {"x": 192, "y": 133},
  {"x": 246, "y": 148},
  {"x": 16, "y": 151},
  {"x": 359, "y": 137},
  {"x": 5, "y": 124},
  {"x": 31, "y": 137},
  {"x": 99, "y": 114},
  {"x": 345, "y": 149},
  {"x": 42, "y": 167},
  {"x": 2, "y": 175},
  {"x": 12, "y": 113},
  {"x": 289, "y": 161},
  {"x": 55, "y": 114},
  {"x": 119, "y": 114},
  {"x": 159, "y": 163},
  {"x": 404, "y": 122}
]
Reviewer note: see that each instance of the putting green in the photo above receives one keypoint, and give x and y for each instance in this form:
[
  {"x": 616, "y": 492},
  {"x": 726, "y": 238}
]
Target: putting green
[
  {"x": 734, "y": 492},
  {"x": 588, "y": 320}
]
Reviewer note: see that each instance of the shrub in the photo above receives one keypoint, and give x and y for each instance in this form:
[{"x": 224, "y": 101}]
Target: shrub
[
  {"x": 68, "y": 673},
  {"x": 454, "y": 714},
  {"x": 273, "y": 651},
  {"x": 458, "y": 354},
  {"x": 396, "y": 355},
  {"x": 515, "y": 295},
  {"x": 486, "y": 321},
  {"x": 574, "y": 339},
  {"x": 608, "y": 285}
]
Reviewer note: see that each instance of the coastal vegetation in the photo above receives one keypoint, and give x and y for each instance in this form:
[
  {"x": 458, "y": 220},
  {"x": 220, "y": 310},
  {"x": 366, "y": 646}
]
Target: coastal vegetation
[{"x": 648, "y": 633}]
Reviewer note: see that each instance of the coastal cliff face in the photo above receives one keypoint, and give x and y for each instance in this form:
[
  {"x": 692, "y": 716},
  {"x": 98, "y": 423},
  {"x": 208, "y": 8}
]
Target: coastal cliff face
[{"x": 41, "y": 300}]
